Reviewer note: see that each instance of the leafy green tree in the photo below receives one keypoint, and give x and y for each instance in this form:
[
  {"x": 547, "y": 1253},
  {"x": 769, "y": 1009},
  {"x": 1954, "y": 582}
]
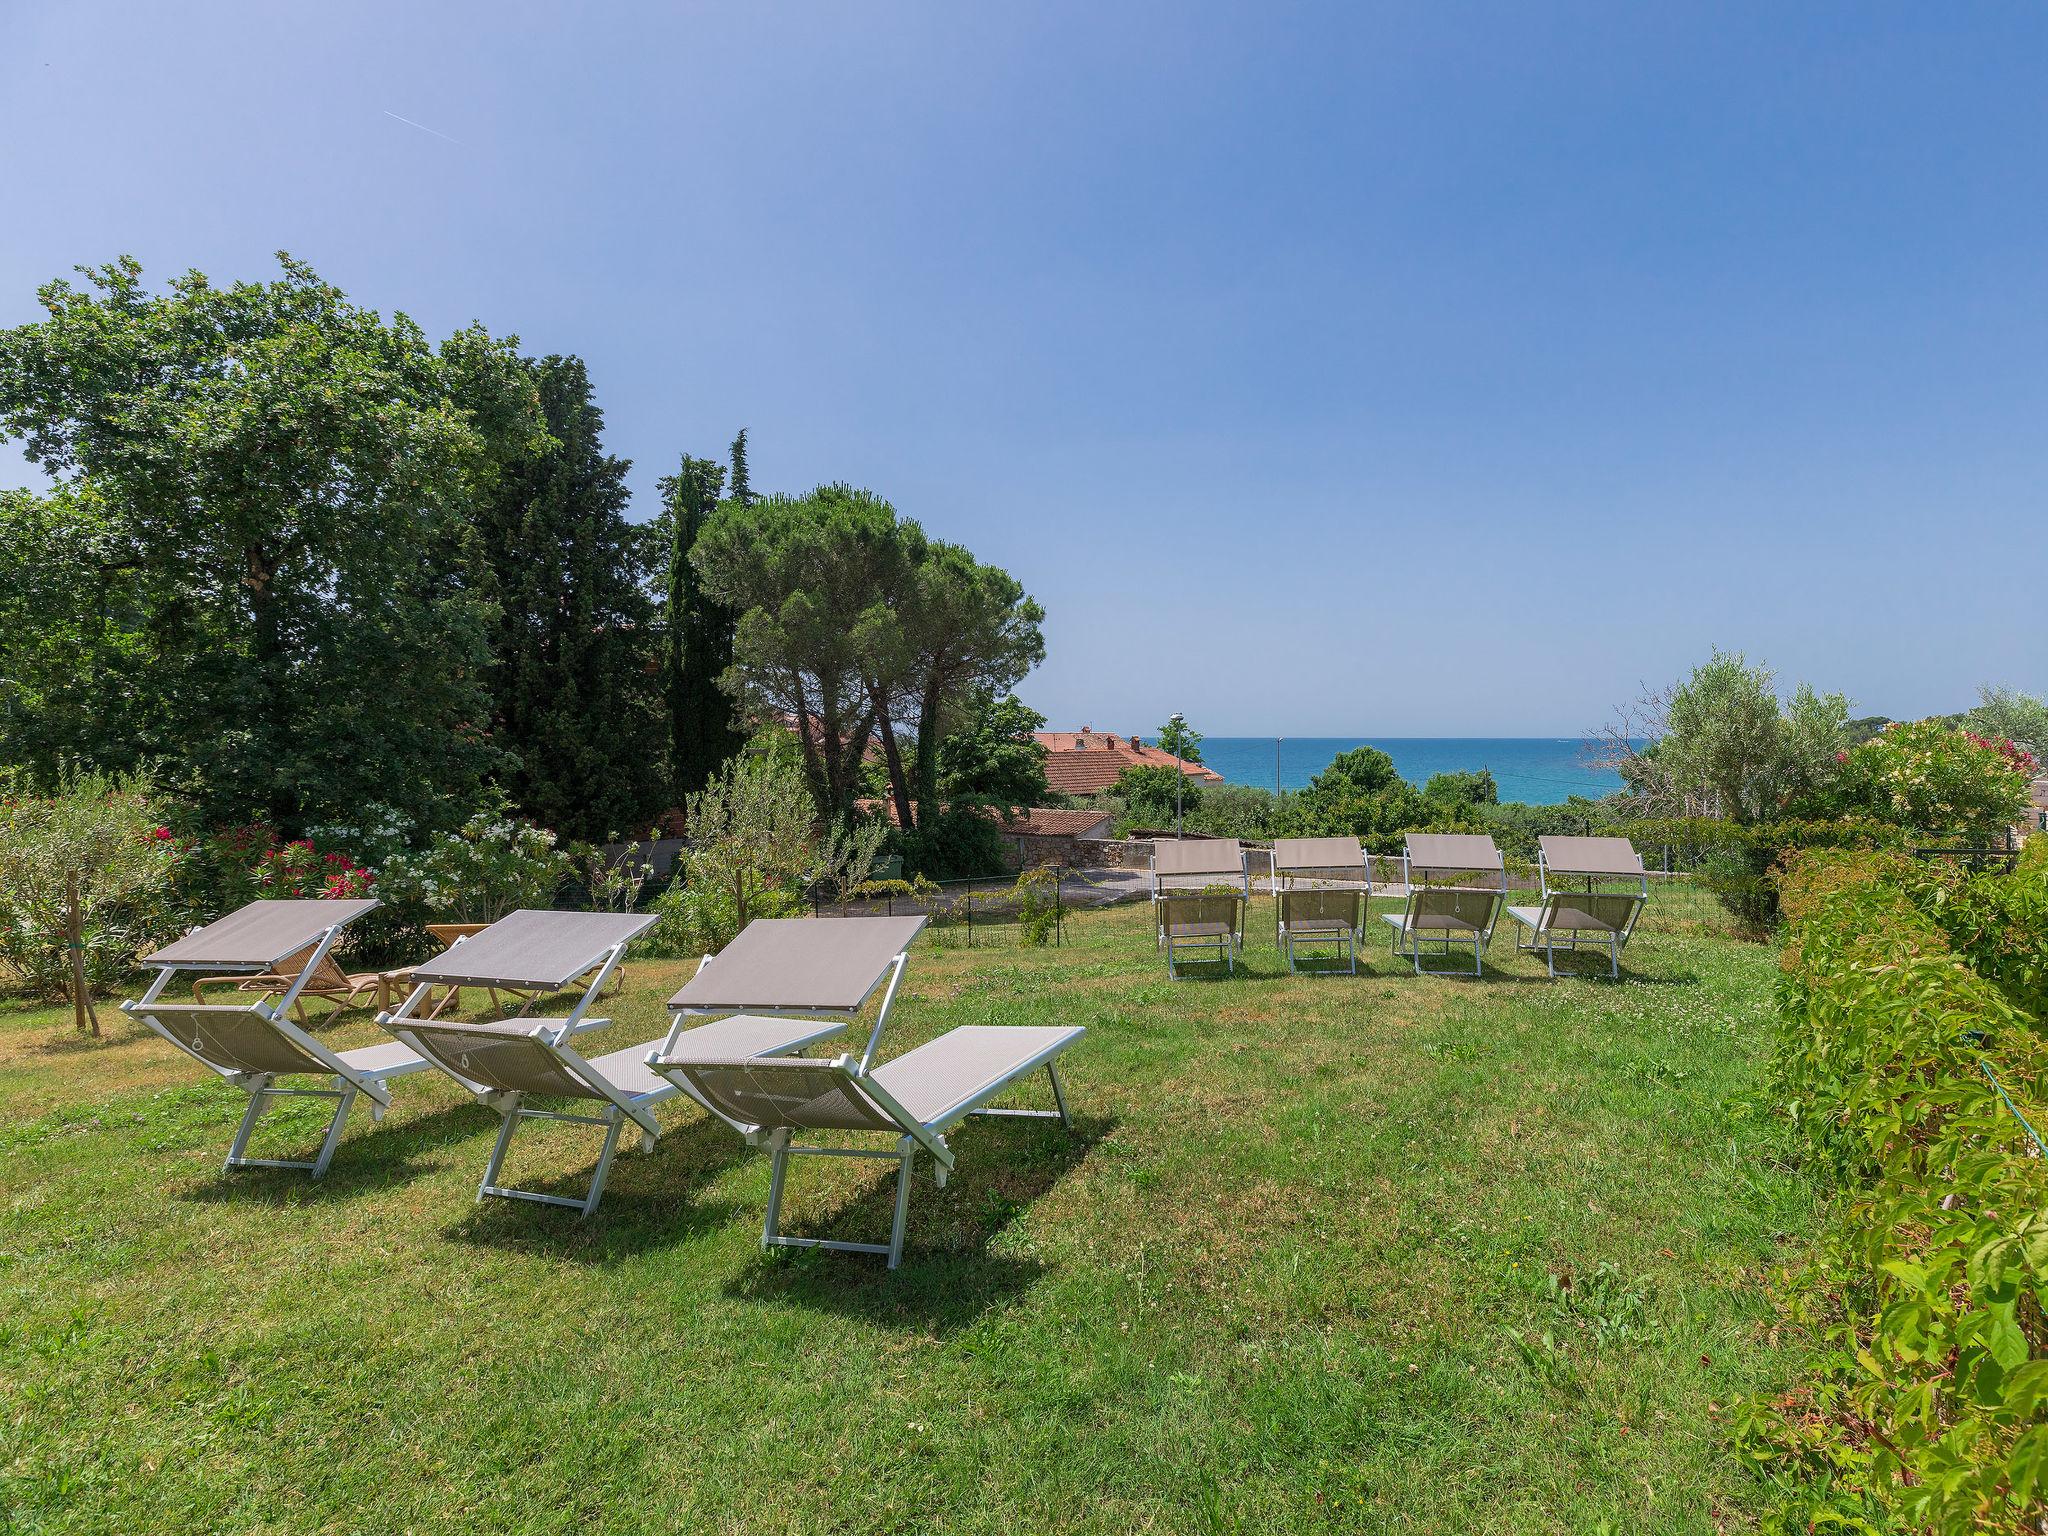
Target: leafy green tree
[
  {"x": 976, "y": 634},
  {"x": 857, "y": 629},
  {"x": 2008, "y": 714},
  {"x": 1360, "y": 771},
  {"x": 1358, "y": 795},
  {"x": 752, "y": 833},
  {"x": 573, "y": 705},
  {"x": 1721, "y": 744},
  {"x": 273, "y": 485},
  {"x": 704, "y": 729},
  {"x": 77, "y": 654},
  {"x": 742, "y": 482},
  {"x": 809, "y": 577},
  {"x": 1148, "y": 796},
  {"x": 85, "y": 882},
  {"x": 1462, "y": 789},
  {"x": 1177, "y": 738},
  {"x": 993, "y": 758}
]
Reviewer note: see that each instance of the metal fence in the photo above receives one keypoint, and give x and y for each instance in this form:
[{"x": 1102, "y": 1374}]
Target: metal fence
[{"x": 973, "y": 913}]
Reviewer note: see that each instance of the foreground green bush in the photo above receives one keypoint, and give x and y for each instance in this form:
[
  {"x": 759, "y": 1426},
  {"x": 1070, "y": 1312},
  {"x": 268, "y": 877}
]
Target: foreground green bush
[{"x": 1926, "y": 1406}]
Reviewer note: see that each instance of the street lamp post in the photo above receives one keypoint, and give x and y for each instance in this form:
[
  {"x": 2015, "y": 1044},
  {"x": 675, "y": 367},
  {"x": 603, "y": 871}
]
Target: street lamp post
[{"x": 1179, "y": 725}]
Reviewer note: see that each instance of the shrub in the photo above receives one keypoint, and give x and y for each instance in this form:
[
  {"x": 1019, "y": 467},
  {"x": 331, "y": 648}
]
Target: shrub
[
  {"x": 1931, "y": 777},
  {"x": 1997, "y": 922},
  {"x": 495, "y": 864},
  {"x": 701, "y": 918},
  {"x": 1738, "y": 862},
  {"x": 1147, "y": 793},
  {"x": 1038, "y": 910},
  {"x": 751, "y": 840},
  {"x": 1927, "y": 1288},
  {"x": 960, "y": 843},
  {"x": 96, "y": 837}
]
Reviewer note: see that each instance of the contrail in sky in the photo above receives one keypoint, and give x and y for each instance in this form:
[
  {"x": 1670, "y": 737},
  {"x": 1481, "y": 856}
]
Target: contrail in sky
[{"x": 423, "y": 128}]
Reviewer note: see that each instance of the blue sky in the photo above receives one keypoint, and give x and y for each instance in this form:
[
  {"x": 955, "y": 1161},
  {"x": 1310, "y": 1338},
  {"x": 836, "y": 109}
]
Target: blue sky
[{"x": 1431, "y": 369}]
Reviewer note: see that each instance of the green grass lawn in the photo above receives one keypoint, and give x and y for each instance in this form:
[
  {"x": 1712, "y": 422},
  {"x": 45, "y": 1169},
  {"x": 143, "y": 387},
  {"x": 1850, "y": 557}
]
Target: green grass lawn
[{"x": 1376, "y": 1254}]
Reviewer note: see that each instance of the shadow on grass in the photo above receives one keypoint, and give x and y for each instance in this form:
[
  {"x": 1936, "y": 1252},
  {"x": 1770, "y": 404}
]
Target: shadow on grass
[
  {"x": 369, "y": 1161},
  {"x": 949, "y": 1277},
  {"x": 114, "y": 1034},
  {"x": 650, "y": 1200}
]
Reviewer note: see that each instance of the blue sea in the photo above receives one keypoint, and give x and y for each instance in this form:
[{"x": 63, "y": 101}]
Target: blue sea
[{"x": 1541, "y": 770}]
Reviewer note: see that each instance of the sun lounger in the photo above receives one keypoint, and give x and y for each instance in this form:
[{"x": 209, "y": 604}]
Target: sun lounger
[
  {"x": 1211, "y": 926},
  {"x": 253, "y": 1044},
  {"x": 395, "y": 983},
  {"x": 916, "y": 1098},
  {"x": 1322, "y": 919},
  {"x": 1320, "y": 890},
  {"x": 1203, "y": 866},
  {"x": 1569, "y": 918},
  {"x": 319, "y": 976},
  {"x": 1456, "y": 885},
  {"x": 506, "y": 1063},
  {"x": 535, "y": 954},
  {"x": 1196, "y": 863}
]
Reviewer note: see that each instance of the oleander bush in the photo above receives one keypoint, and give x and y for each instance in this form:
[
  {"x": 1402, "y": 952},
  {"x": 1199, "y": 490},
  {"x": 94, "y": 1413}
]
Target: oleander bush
[
  {"x": 496, "y": 863},
  {"x": 1938, "y": 779},
  {"x": 1904, "y": 1072}
]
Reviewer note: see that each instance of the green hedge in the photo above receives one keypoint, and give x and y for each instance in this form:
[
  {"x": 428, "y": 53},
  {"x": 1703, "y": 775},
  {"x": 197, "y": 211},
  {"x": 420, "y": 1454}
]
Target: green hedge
[
  {"x": 1925, "y": 1406},
  {"x": 1738, "y": 861}
]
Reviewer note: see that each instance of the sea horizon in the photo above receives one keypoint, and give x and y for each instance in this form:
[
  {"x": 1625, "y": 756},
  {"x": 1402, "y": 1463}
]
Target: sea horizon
[{"x": 1537, "y": 770}]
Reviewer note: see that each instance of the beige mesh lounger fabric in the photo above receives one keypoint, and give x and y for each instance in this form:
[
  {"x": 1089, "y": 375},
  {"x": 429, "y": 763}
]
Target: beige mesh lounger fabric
[
  {"x": 253, "y": 1044},
  {"x": 1321, "y": 886},
  {"x": 506, "y": 1063},
  {"x": 1191, "y": 864},
  {"x": 1456, "y": 885},
  {"x": 501, "y": 1063},
  {"x": 916, "y": 1098},
  {"x": 1199, "y": 866},
  {"x": 259, "y": 928},
  {"x": 1571, "y": 919},
  {"x": 1210, "y": 926}
]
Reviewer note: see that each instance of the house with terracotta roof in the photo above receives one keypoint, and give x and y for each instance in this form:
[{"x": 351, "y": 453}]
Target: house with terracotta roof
[{"x": 1086, "y": 762}]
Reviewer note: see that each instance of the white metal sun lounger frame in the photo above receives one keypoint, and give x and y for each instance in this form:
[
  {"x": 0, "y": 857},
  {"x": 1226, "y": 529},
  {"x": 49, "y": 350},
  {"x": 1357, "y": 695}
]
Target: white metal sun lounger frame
[
  {"x": 831, "y": 1020},
  {"x": 1318, "y": 880},
  {"x": 927, "y": 1135},
  {"x": 510, "y": 1104},
  {"x": 1409, "y": 939},
  {"x": 351, "y": 1079},
  {"x": 1218, "y": 876},
  {"x": 1541, "y": 934}
]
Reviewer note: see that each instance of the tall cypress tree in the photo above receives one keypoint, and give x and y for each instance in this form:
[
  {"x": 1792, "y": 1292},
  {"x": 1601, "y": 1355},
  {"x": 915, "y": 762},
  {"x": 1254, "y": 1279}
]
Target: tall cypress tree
[
  {"x": 704, "y": 730},
  {"x": 573, "y": 701},
  {"x": 742, "y": 487}
]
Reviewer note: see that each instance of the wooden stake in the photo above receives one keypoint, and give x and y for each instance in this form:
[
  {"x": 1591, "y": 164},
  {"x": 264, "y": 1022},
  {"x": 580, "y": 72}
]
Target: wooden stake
[{"x": 83, "y": 1017}]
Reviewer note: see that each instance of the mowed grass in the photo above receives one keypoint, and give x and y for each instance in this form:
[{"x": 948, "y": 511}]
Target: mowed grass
[{"x": 1371, "y": 1254}]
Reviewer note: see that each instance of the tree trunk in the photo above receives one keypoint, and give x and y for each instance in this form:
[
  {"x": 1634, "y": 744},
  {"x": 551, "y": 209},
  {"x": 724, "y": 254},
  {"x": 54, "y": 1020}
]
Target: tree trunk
[
  {"x": 83, "y": 1017},
  {"x": 892, "y": 756}
]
